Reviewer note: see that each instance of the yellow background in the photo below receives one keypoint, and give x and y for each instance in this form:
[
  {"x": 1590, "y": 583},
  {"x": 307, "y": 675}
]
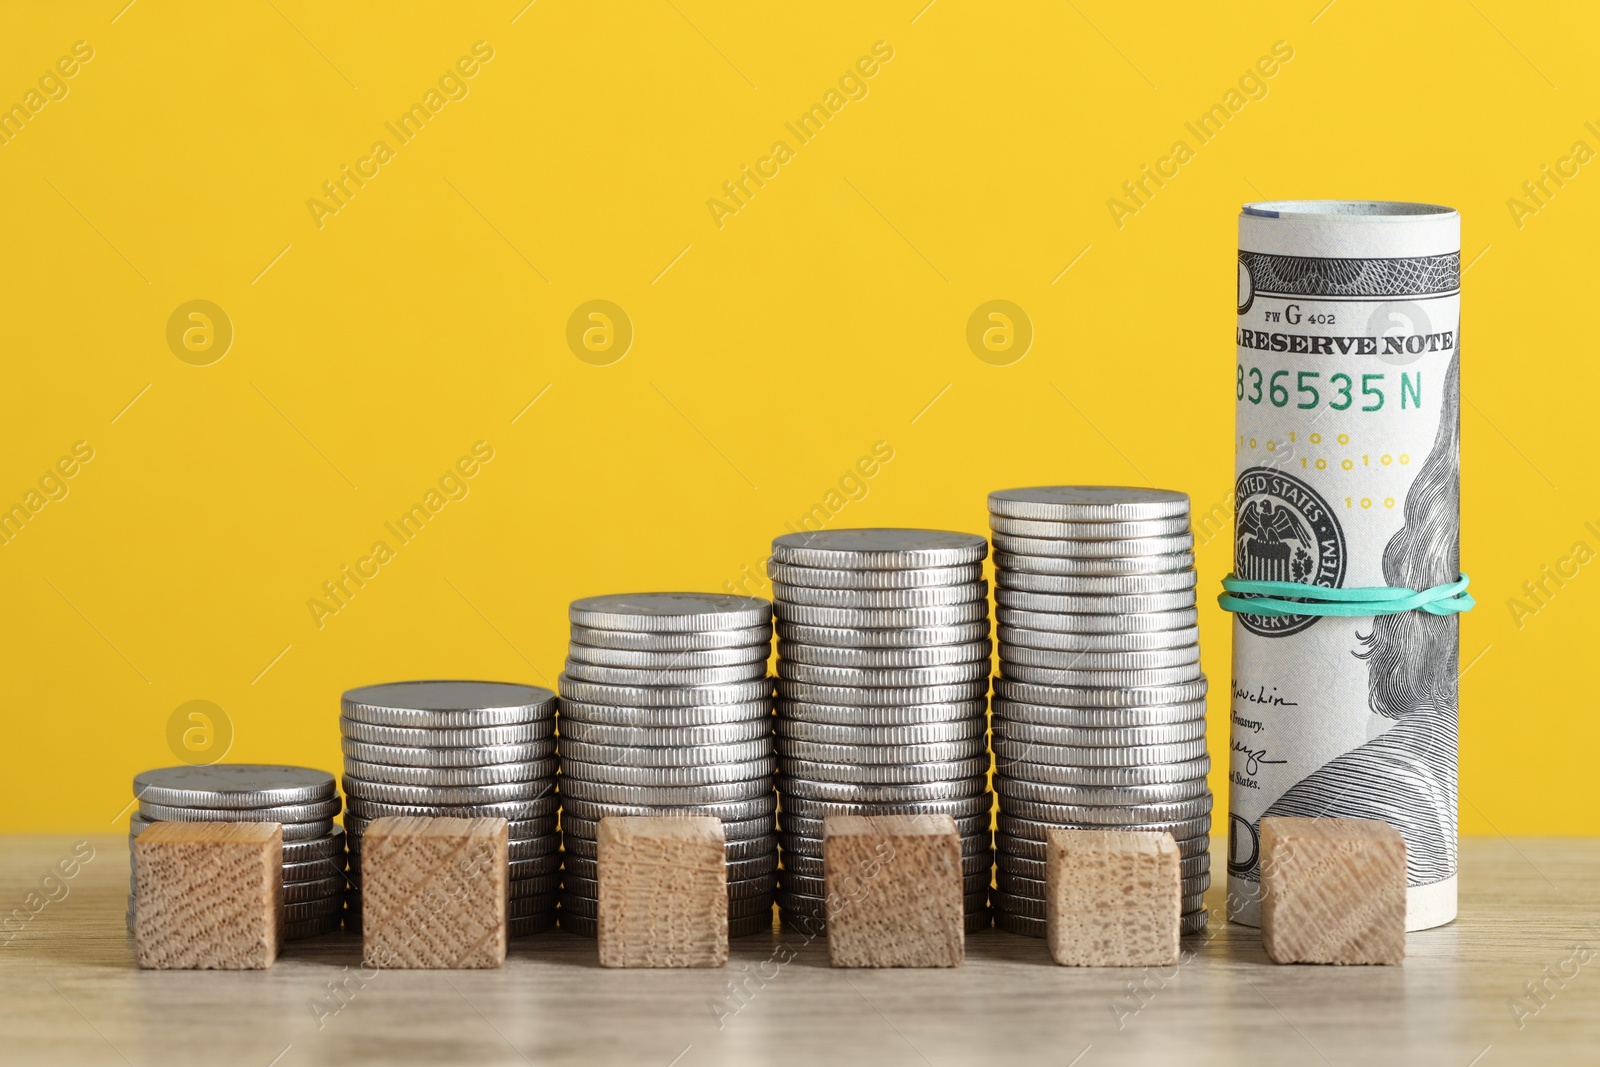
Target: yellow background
[{"x": 769, "y": 355}]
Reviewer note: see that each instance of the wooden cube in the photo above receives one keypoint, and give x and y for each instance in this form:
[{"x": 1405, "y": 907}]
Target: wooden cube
[
  {"x": 209, "y": 896},
  {"x": 1112, "y": 898},
  {"x": 894, "y": 891},
  {"x": 433, "y": 892},
  {"x": 1332, "y": 891},
  {"x": 663, "y": 891}
]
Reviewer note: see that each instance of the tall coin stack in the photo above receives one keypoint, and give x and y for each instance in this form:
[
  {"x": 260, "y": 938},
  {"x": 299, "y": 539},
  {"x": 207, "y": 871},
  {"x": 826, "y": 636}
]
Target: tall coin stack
[
  {"x": 301, "y": 799},
  {"x": 462, "y": 750},
  {"x": 1099, "y": 710},
  {"x": 666, "y": 709},
  {"x": 883, "y": 679}
]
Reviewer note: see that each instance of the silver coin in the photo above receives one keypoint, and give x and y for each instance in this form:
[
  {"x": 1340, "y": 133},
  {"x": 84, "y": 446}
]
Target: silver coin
[
  {"x": 1094, "y": 585},
  {"x": 316, "y": 811},
  {"x": 863, "y": 696},
  {"x": 1098, "y": 624},
  {"x": 330, "y": 845},
  {"x": 314, "y": 870},
  {"x": 746, "y": 637},
  {"x": 504, "y": 792},
  {"x": 1088, "y": 503},
  {"x": 1149, "y": 774},
  {"x": 844, "y": 714},
  {"x": 883, "y": 755},
  {"x": 917, "y": 734},
  {"x": 591, "y": 672},
  {"x": 1170, "y": 545},
  {"x": 532, "y": 831},
  {"x": 531, "y": 924},
  {"x": 483, "y": 756},
  {"x": 313, "y": 909},
  {"x": 1123, "y": 816},
  {"x": 1130, "y": 697},
  {"x": 884, "y": 677},
  {"x": 326, "y": 924},
  {"x": 401, "y": 775},
  {"x": 544, "y": 904},
  {"x": 705, "y": 715},
  {"x": 1056, "y": 530},
  {"x": 1015, "y": 711},
  {"x": 516, "y": 734},
  {"x": 798, "y": 848},
  {"x": 1019, "y": 636},
  {"x": 1038, "y": 869},
  {"x": 927, "y": 597},
  {"x": 520, "y": 889},
  {"x": 316, "y": 889},
  {"x": 1008, "y": 752},
  {"x": 904, "y": 637},
  {"x": 794, "y": 652},
  {"x": 882, "y": 618},
  {"x": 759, "y": 769},
  {"x": 741, "y": 819},
  {"x": 233, "y": 785},
  {"x": 684, "y": 756},
  {"x": 884, "y": 773},
  {"x": 675, "y": 796},
  {"x": 1021, "y": 732},
  {"x": 900, "y": 578},
  {"x": 1035, "y": 848},
  {"x": 448, "y": 704},
  {"x": 1099, "y": 661},
  {"x": 1094, "y": 603},
  {"x": 1102, "y": 679},
  {"x": 963, "y": 807},
  {"x": 738, "y": 870},
  {"x": 535, "y": 812},
  {"x": 682, "y": 659},
  {"x": 669, "y": 613},
  {"x": 687, "y": 696},
  {"x": 1056, "y": 815},
  {"x": 873, "y": 793},
  {"x": 1107, "y": 567},
  {"x": 664, "y": 736},
  {"x": 879, "y": 549}
]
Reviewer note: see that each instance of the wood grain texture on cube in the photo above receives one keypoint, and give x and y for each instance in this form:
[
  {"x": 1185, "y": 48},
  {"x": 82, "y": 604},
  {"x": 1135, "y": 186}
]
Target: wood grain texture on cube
[
  {"x": 433, "y": 892},
  {"x": 894, "y": 891},
  {"x": 1333, "y": 891},
  {"x": 210, "y": 895},
  {"x": 1112, "y": 898},
  {"x": 663, "y": 892}
]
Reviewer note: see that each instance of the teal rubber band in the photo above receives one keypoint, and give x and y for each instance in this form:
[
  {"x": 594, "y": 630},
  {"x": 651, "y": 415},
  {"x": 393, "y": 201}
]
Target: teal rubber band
[{"x": 1295, "y": 598}]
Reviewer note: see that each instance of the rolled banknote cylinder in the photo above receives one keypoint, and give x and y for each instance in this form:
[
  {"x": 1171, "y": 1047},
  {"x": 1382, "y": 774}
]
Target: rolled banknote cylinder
[{"x": 1348, "y": 475}]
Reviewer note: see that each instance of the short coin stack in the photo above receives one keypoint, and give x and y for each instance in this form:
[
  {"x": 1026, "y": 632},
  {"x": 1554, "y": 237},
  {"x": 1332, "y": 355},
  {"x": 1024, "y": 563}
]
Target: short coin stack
[
  {"x": 1099, "y": 712},
  {"x": 883, "y": 683},
  {"x": 462, "y": 750},
  {"x": 666, "y": 709},
  {"x": 302, "y": 799}
]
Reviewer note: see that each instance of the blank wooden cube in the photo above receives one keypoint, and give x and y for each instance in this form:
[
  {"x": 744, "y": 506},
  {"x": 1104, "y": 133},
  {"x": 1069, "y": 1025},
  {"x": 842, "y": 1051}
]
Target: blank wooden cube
[
  {"x": 1112, "y": 898},
  {"x": 663, "y": 892},
  {"x": 1332, "y": 891},
  {"x": 433, "y": 892},
  {"x": 894, "y": 891},
  {"x": 209, "y": 896}
]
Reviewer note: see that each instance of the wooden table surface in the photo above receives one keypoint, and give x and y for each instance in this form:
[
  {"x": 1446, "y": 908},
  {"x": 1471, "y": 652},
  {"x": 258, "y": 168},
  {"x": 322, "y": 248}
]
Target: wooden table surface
[{"x": 1530, "y": 912}]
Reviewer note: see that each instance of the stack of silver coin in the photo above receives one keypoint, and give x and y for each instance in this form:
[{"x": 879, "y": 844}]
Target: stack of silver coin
[
  {"x": 883, "y": 680},
  {"x": 302, "y": 799},
  {"x": 666, "y": 709},
  {"x": 463, "y": 750},
  {"x": 1099, "y": 710}
]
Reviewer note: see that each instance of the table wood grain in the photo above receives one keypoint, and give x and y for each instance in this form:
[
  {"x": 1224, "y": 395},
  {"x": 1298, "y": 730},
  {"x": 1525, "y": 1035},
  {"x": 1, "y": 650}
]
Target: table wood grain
[{"x": 73, "y": 996}]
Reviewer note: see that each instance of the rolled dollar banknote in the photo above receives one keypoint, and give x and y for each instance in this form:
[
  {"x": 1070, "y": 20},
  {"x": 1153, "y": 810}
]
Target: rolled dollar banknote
[{"x": 1348, "y": 477}]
